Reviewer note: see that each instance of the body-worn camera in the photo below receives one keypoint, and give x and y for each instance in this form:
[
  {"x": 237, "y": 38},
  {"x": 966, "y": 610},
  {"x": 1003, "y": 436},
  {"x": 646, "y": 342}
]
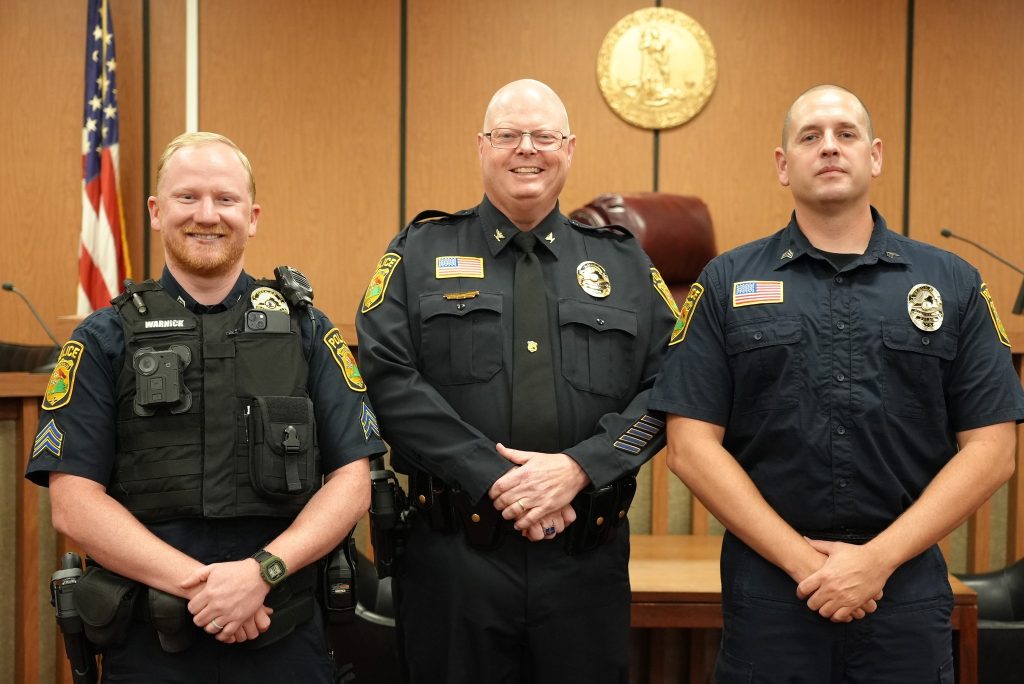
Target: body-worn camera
[
  {"x": 159, "y": 379},
  {"x": 261, "y": 321}
]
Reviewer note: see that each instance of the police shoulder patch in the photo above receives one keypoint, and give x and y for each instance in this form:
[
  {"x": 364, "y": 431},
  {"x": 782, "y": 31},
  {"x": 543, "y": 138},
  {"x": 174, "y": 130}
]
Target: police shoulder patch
[
  {"x": 62, "y": 379},
  {"x": 345, "y": 359},
  {"x": 686, "y": 314},
  {"x": 666, "y": 294},
  {"x": 994, "y": 315},
  {"x": 50, "y": 438},
  {"x": 379, "y": 281}
]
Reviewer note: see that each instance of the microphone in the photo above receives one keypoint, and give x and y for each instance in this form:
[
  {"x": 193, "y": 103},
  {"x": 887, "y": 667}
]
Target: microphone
[
  {"x": 1018, "y": 306},
  {"x": 49, "y": 333}
]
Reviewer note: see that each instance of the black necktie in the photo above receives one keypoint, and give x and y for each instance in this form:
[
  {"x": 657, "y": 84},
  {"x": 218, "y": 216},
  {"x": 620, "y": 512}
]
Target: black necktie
[{"x": 534, "y": 412}]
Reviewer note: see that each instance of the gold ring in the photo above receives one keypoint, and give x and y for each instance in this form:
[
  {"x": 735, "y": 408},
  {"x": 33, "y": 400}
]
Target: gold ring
[
  {"x": 520, "y": 502},
  {"x": 216, "y": 624}
]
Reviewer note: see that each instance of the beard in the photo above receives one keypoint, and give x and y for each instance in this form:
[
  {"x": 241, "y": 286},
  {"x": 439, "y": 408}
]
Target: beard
[{"x": 218, "y": 258}]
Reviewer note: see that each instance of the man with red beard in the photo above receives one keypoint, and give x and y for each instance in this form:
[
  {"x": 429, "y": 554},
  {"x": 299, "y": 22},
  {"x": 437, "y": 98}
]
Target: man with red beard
[{"x": 214, "y": 451}]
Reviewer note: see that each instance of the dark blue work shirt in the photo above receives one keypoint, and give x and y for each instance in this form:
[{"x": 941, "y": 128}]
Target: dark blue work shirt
[
  {"x": 837, "y": 404},
  {"x": 83, "y": 438}
]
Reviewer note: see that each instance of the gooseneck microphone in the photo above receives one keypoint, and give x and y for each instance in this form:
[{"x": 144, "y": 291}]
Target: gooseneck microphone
[
  {"x": 1018, "y": 306},
  {"x": 49, "y": 333}
]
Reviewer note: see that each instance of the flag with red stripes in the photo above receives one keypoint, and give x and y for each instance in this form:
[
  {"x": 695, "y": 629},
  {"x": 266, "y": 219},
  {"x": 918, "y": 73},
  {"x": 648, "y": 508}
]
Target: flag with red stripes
[{"x": 103, "y": 250}]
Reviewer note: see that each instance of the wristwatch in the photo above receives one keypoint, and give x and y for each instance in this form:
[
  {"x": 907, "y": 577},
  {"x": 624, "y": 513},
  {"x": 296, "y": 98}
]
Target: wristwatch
[{"x": 272, "y": 569}]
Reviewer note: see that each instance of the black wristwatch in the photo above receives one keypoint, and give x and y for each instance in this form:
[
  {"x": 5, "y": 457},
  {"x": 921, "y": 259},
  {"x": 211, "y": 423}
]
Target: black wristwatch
[{"x": 272, "y": 569}]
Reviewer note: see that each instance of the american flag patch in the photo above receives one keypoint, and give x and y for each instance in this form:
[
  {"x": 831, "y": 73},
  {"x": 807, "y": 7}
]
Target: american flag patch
[
  {"x": 458, "y": 267},
  {"x": 750, "y": 292},
  {"x": 639, "y": 434}
]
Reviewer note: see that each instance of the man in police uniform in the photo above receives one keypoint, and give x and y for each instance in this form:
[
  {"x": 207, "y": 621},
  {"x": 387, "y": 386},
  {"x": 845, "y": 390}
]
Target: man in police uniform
[
  {"x": 453, "y": 317},
  {"x": 841, "y": 397},
  {"x": 234, "y": 472}
]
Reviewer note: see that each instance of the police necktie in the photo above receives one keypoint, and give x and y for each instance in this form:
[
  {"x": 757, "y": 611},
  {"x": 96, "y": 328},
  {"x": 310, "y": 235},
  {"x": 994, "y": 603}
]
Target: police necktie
[{"x": 534, "y": 412}]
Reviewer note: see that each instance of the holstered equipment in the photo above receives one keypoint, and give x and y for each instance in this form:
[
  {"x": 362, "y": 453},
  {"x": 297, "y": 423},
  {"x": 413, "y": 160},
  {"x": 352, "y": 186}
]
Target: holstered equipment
[
  {"x": 599, "y": 513},
  {"x": 63, "y": 584},
  {"x": 106, "y": 602},
  {"x": 388, "y": 518}
]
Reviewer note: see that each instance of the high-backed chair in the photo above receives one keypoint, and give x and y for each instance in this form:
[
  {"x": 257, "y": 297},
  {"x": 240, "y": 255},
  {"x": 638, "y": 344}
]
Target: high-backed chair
[
  {"x": 1000, "y": 623},
  {"x": 677, "y": 233},
  {"x": 26, "y": 358}
]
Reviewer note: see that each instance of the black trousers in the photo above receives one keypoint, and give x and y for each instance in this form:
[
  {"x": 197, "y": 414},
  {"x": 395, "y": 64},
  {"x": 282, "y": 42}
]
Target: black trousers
[
  {"x": 524, "y": 613},
  {"x": 770, "y": 635},
  {"x": 302, "y": 656}
]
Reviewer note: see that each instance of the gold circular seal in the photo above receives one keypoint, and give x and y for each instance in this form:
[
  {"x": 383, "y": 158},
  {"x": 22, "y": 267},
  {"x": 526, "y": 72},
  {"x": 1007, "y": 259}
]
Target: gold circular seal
[
  {"x": 593, "y": 279},
  {"x": 657, "y": 68}
]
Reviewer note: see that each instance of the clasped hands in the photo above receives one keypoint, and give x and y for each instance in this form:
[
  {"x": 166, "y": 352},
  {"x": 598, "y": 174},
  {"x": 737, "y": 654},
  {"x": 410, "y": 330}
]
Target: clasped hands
[
  {"x": 847, "y": 583},
  {"x": 230, "y": 596},
  {"x": 538, "y": 492}
]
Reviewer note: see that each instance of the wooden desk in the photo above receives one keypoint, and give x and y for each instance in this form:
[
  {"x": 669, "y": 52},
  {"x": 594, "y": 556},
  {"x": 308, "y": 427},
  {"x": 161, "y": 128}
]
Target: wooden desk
[{"x": 676, "y": 584}]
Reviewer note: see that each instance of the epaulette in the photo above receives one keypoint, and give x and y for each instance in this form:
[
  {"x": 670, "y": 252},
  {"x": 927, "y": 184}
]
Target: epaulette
[
  {"x": 436, "y": 215},
  {"x": 611, "y": 230}
]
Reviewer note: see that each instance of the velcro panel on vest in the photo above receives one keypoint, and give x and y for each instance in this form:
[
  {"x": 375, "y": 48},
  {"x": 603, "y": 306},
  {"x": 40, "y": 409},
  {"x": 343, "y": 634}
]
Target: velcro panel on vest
[{"x": 219, "y": 408}]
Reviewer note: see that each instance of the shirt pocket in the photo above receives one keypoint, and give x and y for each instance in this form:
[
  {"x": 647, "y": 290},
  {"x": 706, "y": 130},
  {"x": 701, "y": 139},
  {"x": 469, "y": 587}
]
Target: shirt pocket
[
  {"x": 598, "y": 343},
  {"x": 461, "y": 340},
  {"x": 767, "y": 362},
  {"x": 914, "y": 363}
]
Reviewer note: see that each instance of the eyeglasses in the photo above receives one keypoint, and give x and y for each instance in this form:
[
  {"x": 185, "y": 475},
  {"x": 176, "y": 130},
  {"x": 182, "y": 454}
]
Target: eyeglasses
[{"x": 510, "y": 138}]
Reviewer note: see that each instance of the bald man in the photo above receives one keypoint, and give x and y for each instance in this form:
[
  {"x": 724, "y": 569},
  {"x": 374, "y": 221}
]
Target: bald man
[
  {"x": 840, "y": 397},
  {"x": 510, "y": 352}
]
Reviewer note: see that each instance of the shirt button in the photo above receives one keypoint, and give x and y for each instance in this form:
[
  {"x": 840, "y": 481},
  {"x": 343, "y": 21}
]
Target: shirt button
[
  {"x": 460, "y": 307},
  {"x": 841, "y": 325},
  {"x": 925, "y": 341},
  {"x": 840, "y": 377},
  {"x": 600, "y": 321},
  {"x": 842, "y": 484},
  {"x": 758, "y": 335},
  {"x": 839, "y": 280},
  {"x": 840, "y": 430}
]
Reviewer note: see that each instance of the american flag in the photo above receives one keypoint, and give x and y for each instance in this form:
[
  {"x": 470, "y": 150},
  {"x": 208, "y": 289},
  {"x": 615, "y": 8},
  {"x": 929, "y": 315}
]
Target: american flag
[
  {"x": 750, "y": 292},
  {"x": 103, "y": 251},
  {"x": 459, "y": 267}
]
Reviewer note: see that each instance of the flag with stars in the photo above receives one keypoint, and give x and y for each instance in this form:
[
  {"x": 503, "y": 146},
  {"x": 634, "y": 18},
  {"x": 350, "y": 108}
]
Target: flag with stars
[{"x": 103, "y": 250}]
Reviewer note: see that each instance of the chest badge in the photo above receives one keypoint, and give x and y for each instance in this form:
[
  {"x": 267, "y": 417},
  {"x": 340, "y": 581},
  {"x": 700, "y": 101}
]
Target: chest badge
[
  {"x": 594, "y": 279},
  {"x": 268, "y": 299},
  {"x": 924, "y": 304}
]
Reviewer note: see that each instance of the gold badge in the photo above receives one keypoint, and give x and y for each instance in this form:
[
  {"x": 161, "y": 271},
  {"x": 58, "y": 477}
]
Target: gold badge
[
  {"x": 62, "y": 379},
  {"x": 666, "y": 294},
  {"x": 996, "y": 321},
  {"x": 268, "y": 299},
  {"x": 531, "y": 346},
  {"x": 593, "y": 279},
  {"x": 379, "y": 281},
  {"x": 345, "y": 359},
  {"x": 924, "y": 304},
  {"x": 657, "y": 68},
  {"x": 686, "y": 314}
]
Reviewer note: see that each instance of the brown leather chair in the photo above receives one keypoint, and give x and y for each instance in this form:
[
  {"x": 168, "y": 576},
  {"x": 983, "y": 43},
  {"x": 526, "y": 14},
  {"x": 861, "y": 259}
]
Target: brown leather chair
[{"x": 675, "y": 231}]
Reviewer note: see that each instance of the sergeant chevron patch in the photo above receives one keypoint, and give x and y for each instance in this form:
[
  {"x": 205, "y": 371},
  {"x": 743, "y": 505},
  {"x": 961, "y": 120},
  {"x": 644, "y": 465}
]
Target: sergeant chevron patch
[
  {"x": 369, "y": 423},
  {"x": 639, "y": 434},
  {"x": 50, "y": 438}
]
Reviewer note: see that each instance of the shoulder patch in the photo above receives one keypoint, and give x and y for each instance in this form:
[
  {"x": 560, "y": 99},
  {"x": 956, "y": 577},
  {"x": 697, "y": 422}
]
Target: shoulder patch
[
  {"x": 666, "y": 294},
  {"x": 345, "y": 359},
  {"x": 686, "y": 314},
  {"x": 62, "y": 379},
  {"x": 994, "y": 315},
  {"x": 379, "y": 281},
  {"x": 50, "y": 438}
]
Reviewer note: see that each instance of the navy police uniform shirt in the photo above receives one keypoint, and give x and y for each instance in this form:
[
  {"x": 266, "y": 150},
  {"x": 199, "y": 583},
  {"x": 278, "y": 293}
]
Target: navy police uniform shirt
[
  {"x": 436, "y": 338},
  {"x": 840, "y": 391},
  {"x": 79, "y": 437}
]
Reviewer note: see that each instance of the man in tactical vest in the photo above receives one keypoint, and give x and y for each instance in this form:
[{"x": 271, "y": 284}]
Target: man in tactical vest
[{"x": 205, "y": 441}]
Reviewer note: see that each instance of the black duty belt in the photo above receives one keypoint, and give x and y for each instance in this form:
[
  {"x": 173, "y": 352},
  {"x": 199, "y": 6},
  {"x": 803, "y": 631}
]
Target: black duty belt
[{"x": 847, "y": 536}]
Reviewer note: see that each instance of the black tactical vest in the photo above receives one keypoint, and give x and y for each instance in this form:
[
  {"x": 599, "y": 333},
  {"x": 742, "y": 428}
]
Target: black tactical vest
[{"x": 213, "y": 416}]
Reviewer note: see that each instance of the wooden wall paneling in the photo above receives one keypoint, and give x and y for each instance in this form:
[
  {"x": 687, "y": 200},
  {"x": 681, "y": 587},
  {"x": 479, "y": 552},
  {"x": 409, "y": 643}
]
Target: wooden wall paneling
[
  {"x": 41, "y": 50},
  {"x": 965, "y": 166},
  {"x": 166, "y": 98},
  {"x": 462, "y": 51},
  {"x": 310, "y": 92},
  {"x": 768, "y": 53}
]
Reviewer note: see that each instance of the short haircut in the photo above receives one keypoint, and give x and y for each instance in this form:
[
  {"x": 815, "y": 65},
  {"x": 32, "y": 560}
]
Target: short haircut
[
  {"x": 825, "y": 86},
  {"x": 203, "y": 138}
]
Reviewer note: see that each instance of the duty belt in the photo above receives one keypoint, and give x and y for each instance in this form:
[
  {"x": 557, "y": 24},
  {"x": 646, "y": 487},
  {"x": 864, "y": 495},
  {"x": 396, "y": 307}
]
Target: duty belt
[{"x": 848, "y": 536}]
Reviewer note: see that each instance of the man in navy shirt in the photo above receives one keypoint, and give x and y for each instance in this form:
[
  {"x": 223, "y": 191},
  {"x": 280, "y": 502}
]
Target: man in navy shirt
[
  {"x": 840, "y": 397},
  {"x": 223, "y": 480}
]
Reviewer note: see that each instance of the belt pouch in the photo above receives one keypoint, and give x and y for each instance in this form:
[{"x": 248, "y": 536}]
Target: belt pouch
[
  {"x": 170, "y": 618},
  {"x": 106, "y": 602},
  {"x": 292, "y": 601},
  {"x": 481, "y": 523},
  {"x": 434, "y": 500},
  {"x": 599, "y": 512},
  {"x": 283, "y": 457}
]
